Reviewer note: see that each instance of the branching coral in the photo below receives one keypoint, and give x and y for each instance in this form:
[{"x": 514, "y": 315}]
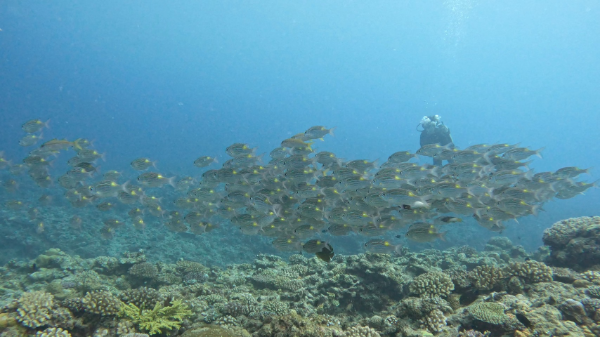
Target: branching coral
[
  {"x": 101, "y": 303},
  {"x": 435, "y": 321},
  {"x": 142, "y": 297},
  {"x": 432, "y": 284},
  {"x": 53, "y": 332},
  {"x": 158, "y": 318},
  {"x": 35, "y": 308},
  {"x": 486, "y": 277},
  {"x": 530, "y": 271}
]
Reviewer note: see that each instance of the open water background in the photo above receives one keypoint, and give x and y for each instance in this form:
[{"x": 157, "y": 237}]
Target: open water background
[{"x": 180, "y": 79}]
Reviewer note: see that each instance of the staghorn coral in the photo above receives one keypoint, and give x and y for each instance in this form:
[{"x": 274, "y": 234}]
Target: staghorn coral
[
  {"x": 144, "y": 270},
  {"x": 432, "y": 284},
  {"x": 159, "y": 318},
  {"x": 35, "y": 308},
  {"x": 530, "y": 271},
  {"x": 486, "y": 277},
  {"x": 574, "y": 242},
  {"x": 435, "y": 321},
  {"x": 101, "y": 303},
  {"x": 53, "y": 332}
]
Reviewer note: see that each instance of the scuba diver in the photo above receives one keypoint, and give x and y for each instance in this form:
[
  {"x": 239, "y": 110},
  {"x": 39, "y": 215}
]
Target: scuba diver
[{"x": 435, "y": 132}]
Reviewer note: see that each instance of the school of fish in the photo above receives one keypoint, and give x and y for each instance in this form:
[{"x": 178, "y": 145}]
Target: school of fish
[{"x": 299, "y": 196}]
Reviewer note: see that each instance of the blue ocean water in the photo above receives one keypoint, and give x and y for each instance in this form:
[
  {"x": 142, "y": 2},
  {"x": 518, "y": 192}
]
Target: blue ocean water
[{"x": 176, "y": 80}]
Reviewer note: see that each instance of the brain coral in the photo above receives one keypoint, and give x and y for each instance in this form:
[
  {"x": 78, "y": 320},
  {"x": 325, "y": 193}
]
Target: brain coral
[
  {"x": 574, "y": 242},
  {"x": 34, "y": 308},
  {"x": 101, "y": 303},
  {"x": 432, "y": 284},
  {"x": 531, "y": 271},
  {"x": 486, "y": 277}
]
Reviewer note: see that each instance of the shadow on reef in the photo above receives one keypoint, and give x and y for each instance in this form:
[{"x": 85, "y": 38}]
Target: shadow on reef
[{"x": 501, "y": 291}]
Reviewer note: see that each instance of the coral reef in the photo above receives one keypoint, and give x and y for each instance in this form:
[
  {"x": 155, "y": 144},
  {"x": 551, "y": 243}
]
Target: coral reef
[
  {"x": 457, "y": 292},
  {"x": 574, "y": 243}
]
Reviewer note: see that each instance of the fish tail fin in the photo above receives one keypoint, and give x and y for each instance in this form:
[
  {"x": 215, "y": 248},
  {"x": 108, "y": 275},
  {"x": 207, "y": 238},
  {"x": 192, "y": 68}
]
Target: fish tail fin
[
  {"x": 442, "y": 236},
  {"x": 124, "y": 186},
  {"x": 535, "y": 210},
  {"x": 277, "y": 209},
  {"x": 487, "y": 157},
  {"x": 103, "y": 156},
  {"x": 154, "y": 163},
  {"x": 171, "y": 181},
  {"x": 47, "y": 124},
  {"x": 331, "y": 131},
  {"x": 539, "y": 152},
  {"x": 76, "y": 145}
]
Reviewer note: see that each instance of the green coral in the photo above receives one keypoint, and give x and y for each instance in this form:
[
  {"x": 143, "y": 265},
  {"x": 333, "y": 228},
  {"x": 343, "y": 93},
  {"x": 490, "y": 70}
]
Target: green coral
[{"x": 160, "y": 317}]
